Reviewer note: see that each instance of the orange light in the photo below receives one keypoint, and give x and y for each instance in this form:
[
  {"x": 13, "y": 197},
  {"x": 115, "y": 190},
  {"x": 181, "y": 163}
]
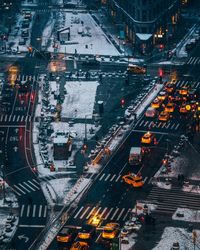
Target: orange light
[{"x": 188, "y": 107}]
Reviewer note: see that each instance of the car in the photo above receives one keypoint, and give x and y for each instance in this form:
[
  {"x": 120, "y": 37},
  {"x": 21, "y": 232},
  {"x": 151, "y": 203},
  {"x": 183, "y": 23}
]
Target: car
[
  {"x": 86, "y": 232},
  {"x": 156, "y": 103},
  {"x": 183, "y": 109},
  {"x": 170, "y": 107},
  {"x": 135, "y": 69},
  {"x": 134, "y": 180},
  {"x": 162, "y": 96},
  {"x": 151, "y": 112},
  {"x": 148, "y": 138},
  {"x": 184, "y": 91},
  {"x": 79, "y": 245},
  {"x": 169, "y": 87},
  {"x": 110, "y": 230},
  {"x": 65, "y": 235},
  {"x": 164, "y": 116},
  {"x": 94, "y": 220}
]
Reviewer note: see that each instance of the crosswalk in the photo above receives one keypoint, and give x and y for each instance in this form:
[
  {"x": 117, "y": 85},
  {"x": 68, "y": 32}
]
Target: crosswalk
[
  {"x": 187, "y": 83},
  {"x": 14, "y": 118},
  {"x": 169, "y": 125},
  {"x": 168, "y": 201},
  {"x": 25, "y": 78},
  {"x": 193, "y": 61},
  {"x": 105, "y": 213},
  {"x": 110, "y": 177},
  {"x": 26, "y": 187},
  {"x": 33, "y": 211}
]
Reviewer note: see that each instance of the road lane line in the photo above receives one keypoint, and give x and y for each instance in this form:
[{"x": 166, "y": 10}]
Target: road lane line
[
  {"x": 27, "y": 190},
  {"x": 22, "y": 117},
  {"x": 19, "y": 189},
  {"x": 28, "y": 210},
  {"x": 177, "y": 126},
  {"x": 113, "y": 177},
  {"x": 145, "y": 179},
  {"x": 15, "y": 191},
  {"x": 163, "y": 125},
  {"x": 6, "y": 117},
  {"x": 31, "y": 225},
  {"x": 45, "y": 211},
  {"x": 107, "y": 215},
  {"x": 127, "y": 213},
  {"x": 29, "y": 186},
  {"x": 2, "y": 116},
  {"x": 197, "y": 84},
  {"x": 139, "y": 125},
  {"x": 40, "y": 211},
  {"x": 22, "y": 210},
  {"x": 9, "y": 119},
  {"x": 172, "y": 126},
  {"x": 35, "y": 181},
  {"x": 98, "y": 210},
  {"x": 116, "y": 211},
  {"x": 101, "y": 215},
  {"x": 119, "y": 216},
  {"x": 167, "y": 125},
  {"x": 34, "y": 210},
  {"x": 34, "y": 185},
  {"x": 76, "y": 215},
  {"x": 118, "y": 178},
  {"x": 14, "y": 117},
  {"x": 88, "y": 216},
  {"x": 123, "y": 168},
  {"x": 108, "y": 176},
  {"x": 81, "y": 217},
  {"x": 101, "y": 177},
  {"x": 18, "y": 118}
]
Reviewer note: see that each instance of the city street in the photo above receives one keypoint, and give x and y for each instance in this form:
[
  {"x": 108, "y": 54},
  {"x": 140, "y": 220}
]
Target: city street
[{"x": 99, "y": 125}]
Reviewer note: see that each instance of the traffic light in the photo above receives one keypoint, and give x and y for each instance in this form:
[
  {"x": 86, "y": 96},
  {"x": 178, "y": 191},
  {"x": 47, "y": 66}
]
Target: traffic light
[{"x": 122, "y": 103}]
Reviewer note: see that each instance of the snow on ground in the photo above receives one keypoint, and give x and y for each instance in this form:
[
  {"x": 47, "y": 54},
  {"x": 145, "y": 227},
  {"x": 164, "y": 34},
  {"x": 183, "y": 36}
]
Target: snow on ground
[
  {"x": 191, "y": 189},
  {"x": 173, "y": 234},
  {"x": 189, "y": 215},
  {"x": 165, "y": 185},
  {"x": 79, "y": 100},
  {"x": 131, "y": 242},
  {"x": 27, "y": 3},
  {"x": 77, "y": 190},
  {"x": 3, "y": 215},
  {"x": 47, "y": 32},
  {"x": 86, "y": 37}
]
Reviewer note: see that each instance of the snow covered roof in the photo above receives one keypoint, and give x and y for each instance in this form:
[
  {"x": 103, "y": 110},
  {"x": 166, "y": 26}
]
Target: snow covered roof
[{"x": 143, "y": 37}]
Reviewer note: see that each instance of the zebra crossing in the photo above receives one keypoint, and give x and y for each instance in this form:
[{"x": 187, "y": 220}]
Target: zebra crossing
[
  {"x": 169, "y": 125},
  {"x": 25, "y": 78},
  {"x": 168, "y": 200},
  {"x": 193, "y": 61},
  {"x": 14, "y": 118},
  {"x": 105, "y": 213},
  {"x": 26, "y": 187},
  {"x": 187, "y": 83},
  {"x": 110, "y": 177},
  {"x": 33, "y": 211}
]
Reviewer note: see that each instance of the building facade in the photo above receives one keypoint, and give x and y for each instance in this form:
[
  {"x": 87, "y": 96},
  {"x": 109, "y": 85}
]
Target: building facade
[{"x": 146, "y": 23}]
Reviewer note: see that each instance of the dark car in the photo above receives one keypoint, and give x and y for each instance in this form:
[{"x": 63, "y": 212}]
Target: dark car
[
  {"x": 91, "y": 64},
  {"x": 66, "y": 235},
  {"x": 87, "y": 232}
]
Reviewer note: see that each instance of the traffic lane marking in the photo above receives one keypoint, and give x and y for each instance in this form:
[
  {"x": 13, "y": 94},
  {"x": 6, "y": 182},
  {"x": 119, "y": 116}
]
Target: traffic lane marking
[{"x": 31, "y": 225}]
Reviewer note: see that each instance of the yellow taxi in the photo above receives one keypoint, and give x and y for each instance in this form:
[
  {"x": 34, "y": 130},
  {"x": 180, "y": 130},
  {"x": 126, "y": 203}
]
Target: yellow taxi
[
  {"x": 147, "y": 138},
  {"x": 134, "y": 180},
  {"x": 86, "y": 232},
  {"x": 183, "y": 109},
  {"x": 162, "y": 96},
  {"x": 156, "y": 103},
  {"x": 80, "y": 245},
  {"x": 135, "y": 69},
  {"x": 110, "y": 230},
  {"x": 94, "y": 220},
  {"x": 183, "y": 91},
  {"x": 169, "y": 88},
  {"x": 170, "y": 107},
  {"x": 65, "y": 235},
  {"x": 164, "y": 116}
]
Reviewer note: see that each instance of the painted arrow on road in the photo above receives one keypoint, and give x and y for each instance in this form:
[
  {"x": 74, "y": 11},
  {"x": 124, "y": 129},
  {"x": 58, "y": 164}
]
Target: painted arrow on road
[{"x": 21, "y": 237}]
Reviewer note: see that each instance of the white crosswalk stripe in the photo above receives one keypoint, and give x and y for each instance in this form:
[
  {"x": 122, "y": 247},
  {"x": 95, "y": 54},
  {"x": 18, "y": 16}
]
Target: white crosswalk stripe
[
  {"x": 110, "y": 177},
  {"x": 112, "y": 213},
  {"x": 13, "y": 118},
  {"x": 161, "y": 125},
  {"x": 25, "y": 78},
  {"x": 193, "y": 61},
  {"x": 26, "y": 187},
  {"x": 32, "y": 211}
]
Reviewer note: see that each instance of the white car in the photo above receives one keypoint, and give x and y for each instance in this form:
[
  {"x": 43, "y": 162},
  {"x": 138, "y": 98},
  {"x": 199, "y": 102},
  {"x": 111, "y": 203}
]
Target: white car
[{"x": 151, "y": 112}]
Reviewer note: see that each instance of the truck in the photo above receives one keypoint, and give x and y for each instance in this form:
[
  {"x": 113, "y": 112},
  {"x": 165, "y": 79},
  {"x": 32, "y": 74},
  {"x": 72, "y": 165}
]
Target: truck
[{"x": 135, "y": 156}]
